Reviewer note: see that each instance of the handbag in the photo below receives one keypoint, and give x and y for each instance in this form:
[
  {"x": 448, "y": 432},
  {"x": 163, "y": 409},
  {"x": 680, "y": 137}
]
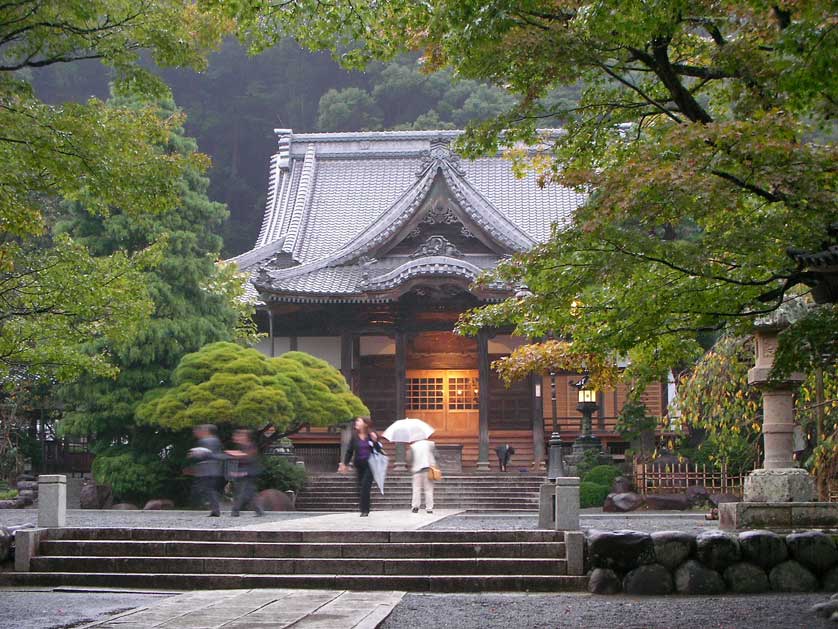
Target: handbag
[{"x": 434, "y": 473}]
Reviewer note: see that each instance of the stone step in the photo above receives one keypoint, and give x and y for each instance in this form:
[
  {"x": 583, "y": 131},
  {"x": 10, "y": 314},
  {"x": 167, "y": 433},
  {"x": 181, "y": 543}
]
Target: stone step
[
  {"x": 311, "y": 537},
  {"x": 406, "y": 550},
  {"x": 306, "y": 566},
  {"x": 415, "y": 583}
]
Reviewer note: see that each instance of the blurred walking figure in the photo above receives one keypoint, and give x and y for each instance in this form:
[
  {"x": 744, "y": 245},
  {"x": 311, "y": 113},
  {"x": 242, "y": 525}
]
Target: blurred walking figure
[
  {"x": 248, "y": 470},
  {"x": 364, "y": 443},
  {"x": 209, "y": 467},
  {"x": 423, "y": 458},
  {"x": 504, "y": 453}
]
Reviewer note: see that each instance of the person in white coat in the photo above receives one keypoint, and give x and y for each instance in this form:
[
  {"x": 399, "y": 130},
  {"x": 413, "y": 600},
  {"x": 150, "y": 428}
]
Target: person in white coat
[{"x": 423, "y": 456}]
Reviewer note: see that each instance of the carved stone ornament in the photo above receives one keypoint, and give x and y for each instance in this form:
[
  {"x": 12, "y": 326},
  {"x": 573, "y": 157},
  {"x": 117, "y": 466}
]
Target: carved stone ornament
[
  {"x": 436, "y": 246},
  {"x": 440, "y": 214},
  {"x": 440, "y": 151}
]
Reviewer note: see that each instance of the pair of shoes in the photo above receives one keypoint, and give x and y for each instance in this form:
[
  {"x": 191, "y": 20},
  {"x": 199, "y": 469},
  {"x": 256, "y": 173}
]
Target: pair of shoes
[
  {"x": 365, "y": 515},
  {"x": 415, "y": 510},
  {"x": 430, "y": 510},
  {"x": 214, "y": 515},
  {"x": 234, "y": 514}
]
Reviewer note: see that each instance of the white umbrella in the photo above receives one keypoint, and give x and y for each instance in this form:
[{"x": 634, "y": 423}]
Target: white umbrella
[{"x": 408, "y": 430}]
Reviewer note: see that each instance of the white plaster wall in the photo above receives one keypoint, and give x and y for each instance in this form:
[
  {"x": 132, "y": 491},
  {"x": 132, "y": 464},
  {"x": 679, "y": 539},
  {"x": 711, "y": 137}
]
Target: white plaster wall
[
  {"x": 377, "y": 346},
  {"x": 282, "y": 344},
  {"x": 324, "y": 347},
  {"x": 505, "y": 343}
]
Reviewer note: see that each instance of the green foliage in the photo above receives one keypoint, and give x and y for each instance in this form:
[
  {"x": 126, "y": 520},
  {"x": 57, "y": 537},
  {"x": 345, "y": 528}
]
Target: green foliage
[
  {"x": 132, "y": 477},
  {"x": 195, "y": 300},
  {"x": 694, "y": 133},
  {"x": 102, "y": 156},
  {"x": 590, "y": 460},
  {"x": 8, "y": 494},
  {"x": 634, "y": 420},
  {"x": 602, "y": 475},
  {"x": 592, "y": 494},
  {"x": 280, "y": 473},
  {"x": 224, "y": 383}
]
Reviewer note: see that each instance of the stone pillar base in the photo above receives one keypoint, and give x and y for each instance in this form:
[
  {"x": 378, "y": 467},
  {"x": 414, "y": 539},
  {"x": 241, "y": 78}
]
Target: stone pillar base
[
  {"x": 779, "y": 485},
  {"x": 547, "y": 506},
  {"x": 567, "y": 503},
  {"x": 778, "y": 516}
]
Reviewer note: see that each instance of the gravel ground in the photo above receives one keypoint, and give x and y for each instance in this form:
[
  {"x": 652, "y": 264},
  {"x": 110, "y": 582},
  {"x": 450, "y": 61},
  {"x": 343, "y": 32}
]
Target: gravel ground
[
  {"x": 47, "y": 609},
  {"x": 482, "y": 611},
  {"x": 661, "y": 521},
  {"x": 150, "y": 519}
]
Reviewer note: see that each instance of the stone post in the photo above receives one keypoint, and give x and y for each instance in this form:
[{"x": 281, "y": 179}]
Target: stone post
[
  {"x": 567, "y": 503},
  {"x": 780, "y": 480},
  {"x": 52, "y": 501}
]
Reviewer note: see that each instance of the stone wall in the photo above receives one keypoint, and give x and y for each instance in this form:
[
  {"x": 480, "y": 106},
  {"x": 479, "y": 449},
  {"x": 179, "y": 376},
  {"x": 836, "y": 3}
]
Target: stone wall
[{"x": 713, "y": 562}]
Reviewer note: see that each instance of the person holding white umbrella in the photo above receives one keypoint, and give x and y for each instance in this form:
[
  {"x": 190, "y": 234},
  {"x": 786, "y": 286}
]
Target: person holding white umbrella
[
  {"x": 422, "y": 454},
  {"x": 423, "y": 459}
]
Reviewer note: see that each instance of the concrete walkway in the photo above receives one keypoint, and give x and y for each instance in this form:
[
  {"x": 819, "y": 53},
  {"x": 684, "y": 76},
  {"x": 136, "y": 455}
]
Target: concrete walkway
[
  {"x": 261, "y": 609},
  {"x": 403, "y": 520}
]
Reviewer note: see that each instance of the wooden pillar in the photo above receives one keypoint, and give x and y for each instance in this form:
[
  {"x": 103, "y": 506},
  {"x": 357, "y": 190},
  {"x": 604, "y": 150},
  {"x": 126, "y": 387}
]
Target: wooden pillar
[
  {"x": 537, "y": 392},
  {"x": 483, "y": 379},
  {"x": 292, "y": 343},
  {"x": 355, "y": 380},
  {"x": 401, "y": 390},
  {"x": 346, "y": 347},
  {"x": 271, "y": 332}
]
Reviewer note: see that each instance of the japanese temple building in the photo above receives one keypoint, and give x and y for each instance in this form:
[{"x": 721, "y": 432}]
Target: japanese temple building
[{"x": 366, "y": 257}]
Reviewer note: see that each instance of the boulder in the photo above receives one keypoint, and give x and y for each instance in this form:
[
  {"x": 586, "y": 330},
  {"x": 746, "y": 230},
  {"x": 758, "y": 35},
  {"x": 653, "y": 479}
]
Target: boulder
[
  {"x": 27, "y": 484},
  {"x": 667, "y": 502},
  {"x": 717, "y": 550},
  {"x": 691, "y": 577},
  {"x": 125, "y": 506},
  {"x": 28, "y": 494},
  {"x": 24, "y": 500},
  {"x": 718, "y": 499},
  {"x": 604, "y": 581},
  {"x": 621, "y": 503},
  {"x": 698, "y": 495},
  {"x": 620, "y": 550},
  {"x": 95, "y": 497},
  {"x": 6, "y": 539},
  {"x": 746, "y": 578},
  {"x": 648, "y": 580},
  {"x": 25, "y": 477},
  {"x": 621, "y": 485},
  {"x": 791, "y": 576},
  {"x": 764, "y": 548},
  {"x": 672, "y": 548},
  {"x": 274, "y": 500},
  {"x": 830, "y": 580},
  {"x": 814, "y": 549},
  {"x": 10, "y": 504},
  {"x": 159, "y": 504}
]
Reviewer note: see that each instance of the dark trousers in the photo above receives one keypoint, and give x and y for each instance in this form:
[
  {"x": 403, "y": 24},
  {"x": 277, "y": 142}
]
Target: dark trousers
[
  {"x": 245, "y": 493},
  {"x": 364, "y": 479},
  {"x": 208, "y": 490}
]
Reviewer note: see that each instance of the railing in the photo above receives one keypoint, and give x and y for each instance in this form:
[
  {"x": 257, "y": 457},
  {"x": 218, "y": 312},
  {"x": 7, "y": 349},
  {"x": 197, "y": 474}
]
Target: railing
[{"x": 661, "y": 478}]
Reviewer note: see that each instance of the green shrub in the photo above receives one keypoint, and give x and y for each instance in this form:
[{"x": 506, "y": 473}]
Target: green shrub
[
  {"x": 8, "y": 494},
  {"x": 131, "y": 479},
  {"x": 602, "y": 475},
  {"x": 590, "y": 460},
  {"x": 592, "y": 494},
  {"x": 280, "y": 473}
]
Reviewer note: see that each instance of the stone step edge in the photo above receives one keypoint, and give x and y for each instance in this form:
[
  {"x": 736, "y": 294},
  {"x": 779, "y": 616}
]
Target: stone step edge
[
  {"x": 432, "y": 583},
  {"x": 341, "y": 537}
]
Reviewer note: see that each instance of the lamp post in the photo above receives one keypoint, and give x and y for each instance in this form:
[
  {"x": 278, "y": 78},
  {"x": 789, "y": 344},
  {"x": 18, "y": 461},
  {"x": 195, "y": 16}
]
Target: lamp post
[
  {"x": 555, "y": 465},
  {"x": 587, "y": 404}
]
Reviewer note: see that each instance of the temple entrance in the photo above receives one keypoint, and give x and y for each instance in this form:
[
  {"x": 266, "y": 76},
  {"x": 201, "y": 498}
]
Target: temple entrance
[{"x": 447, "y": 399}]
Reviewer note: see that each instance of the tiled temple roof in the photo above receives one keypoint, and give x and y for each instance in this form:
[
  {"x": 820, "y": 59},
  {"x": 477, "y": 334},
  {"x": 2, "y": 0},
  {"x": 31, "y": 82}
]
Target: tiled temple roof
[{"x": 335, "y": 198}]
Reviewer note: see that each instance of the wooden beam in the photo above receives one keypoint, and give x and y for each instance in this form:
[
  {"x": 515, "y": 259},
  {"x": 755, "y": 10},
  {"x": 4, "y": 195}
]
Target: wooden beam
[{"x": 483, "y": 379}]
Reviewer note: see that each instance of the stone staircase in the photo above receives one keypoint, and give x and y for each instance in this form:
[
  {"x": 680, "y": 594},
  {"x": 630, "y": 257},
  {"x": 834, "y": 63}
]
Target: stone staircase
[
  {"x": 436, "y": 561},
  {"x": 480, "y": 492}
]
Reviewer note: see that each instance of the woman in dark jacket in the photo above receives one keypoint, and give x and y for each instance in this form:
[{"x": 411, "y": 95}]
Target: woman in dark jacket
[{"x": 364, "y": 443}]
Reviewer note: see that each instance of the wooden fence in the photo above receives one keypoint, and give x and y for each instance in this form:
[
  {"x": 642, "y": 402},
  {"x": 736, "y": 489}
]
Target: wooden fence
[{"x": 660, "y": 478}]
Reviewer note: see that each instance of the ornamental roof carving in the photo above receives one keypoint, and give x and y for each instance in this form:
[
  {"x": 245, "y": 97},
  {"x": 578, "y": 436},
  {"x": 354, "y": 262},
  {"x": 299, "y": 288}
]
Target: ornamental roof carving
[{"x": 338, "y": 203}]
